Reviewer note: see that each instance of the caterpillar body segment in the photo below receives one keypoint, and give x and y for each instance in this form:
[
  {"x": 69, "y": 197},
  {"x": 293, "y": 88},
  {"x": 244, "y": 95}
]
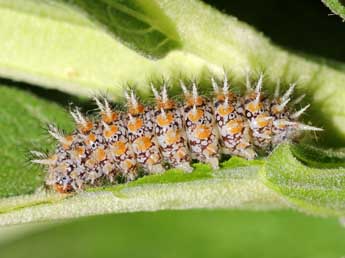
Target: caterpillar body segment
[
  {"x": 232, "y": 124},
  {"x": 119, "y": 151},
  {"x": 141, "y": 135},
  {"x": 259, "y": 119},
  {"x": 201, "y": 129},
  {"x": 170, "y": 133}
]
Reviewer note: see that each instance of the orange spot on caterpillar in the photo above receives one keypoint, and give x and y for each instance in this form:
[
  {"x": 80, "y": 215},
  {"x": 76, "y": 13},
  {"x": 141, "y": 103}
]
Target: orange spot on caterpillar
[
  {"x": 181, "y": 154},
  {"x": 90, "y": 163},
  {"x": 211, "y": 149},
  {"x": 100, "y": 154},
  {"x": 198, "y": 101},
  {"x": 172, "y": 137},
  {"x": 164, "y": 120},
  {"x": 224, "y": 111},
  {"x": 69, "y": 138},
  {"x": 133, "y": 126},
  {"x": 128, "y": 164},
  {"x": 234, "y": 126},
  {"x": 222, "y": 97},
  {"x": 275, "y": 109},
  {"x": 169, "y": 104},
  {"x": 143, "y": 143},
  {"x": 90, "y": 138},
  {"x": 59, "y": 188},
  {"x": 242, "y": 145},
  {"x": 261, "y": 121},
  {"x": 202, "y": 132},
  {"x": 195, "y": 116},
  {"x": 253, "y": 107},
  {"x": 136, "y": 110},
  {"x": 108, "y": 118},
  {"x": 112, "y": 130},
  {"x": 79, "y": 151},
  {"x": 68, "y": 141},
  {"x": 85, "y": 128},
  {"x": 119, "y": 148}
]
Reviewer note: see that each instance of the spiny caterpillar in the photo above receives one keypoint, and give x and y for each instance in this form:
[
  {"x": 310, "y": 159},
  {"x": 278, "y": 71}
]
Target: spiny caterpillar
[{"x": 117, "y": 144}]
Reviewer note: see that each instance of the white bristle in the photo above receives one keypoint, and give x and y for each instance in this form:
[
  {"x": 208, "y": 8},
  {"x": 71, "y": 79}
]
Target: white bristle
[{"x": 300, "y": 112}]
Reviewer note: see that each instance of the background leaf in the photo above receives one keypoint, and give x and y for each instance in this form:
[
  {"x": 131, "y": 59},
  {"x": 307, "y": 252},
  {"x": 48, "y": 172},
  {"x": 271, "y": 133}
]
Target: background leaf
[{"x": 336, "y": 6}]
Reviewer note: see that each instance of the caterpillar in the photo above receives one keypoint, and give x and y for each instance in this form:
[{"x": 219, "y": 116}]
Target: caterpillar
[{"x": 117, "y": 145}]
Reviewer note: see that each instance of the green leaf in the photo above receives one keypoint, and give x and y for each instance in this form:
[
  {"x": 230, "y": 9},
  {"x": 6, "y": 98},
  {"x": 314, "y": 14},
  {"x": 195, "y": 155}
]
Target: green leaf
[
  {"x": 140, "y": 24},
  {"x": 315, "y": 190},
  {"x": 217, "y": 233},
  {"x": 336, "y": 6}
]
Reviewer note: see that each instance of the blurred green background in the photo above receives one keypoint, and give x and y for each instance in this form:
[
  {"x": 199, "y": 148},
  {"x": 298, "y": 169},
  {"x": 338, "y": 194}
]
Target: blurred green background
[
  {"x": 176, "y": 234},
  {"x": 298, "y": 25}
]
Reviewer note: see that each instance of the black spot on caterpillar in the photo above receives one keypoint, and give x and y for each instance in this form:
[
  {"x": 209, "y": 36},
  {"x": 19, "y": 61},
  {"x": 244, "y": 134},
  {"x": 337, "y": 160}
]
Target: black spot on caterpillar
[{"x": 118, "y": 144}]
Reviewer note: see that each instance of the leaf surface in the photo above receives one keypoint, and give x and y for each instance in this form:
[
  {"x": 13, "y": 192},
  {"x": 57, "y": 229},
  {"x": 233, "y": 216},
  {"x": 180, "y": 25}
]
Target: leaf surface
[
  {"x": 336, "y": 6},
  {"x": 317, "y": 190}
]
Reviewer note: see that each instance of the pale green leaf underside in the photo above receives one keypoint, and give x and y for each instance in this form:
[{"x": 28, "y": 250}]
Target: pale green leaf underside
[
  {"x": 336, "y": 6},
  {"x": 315, "y": 190},
  {"x": 138, "y": 23}
]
